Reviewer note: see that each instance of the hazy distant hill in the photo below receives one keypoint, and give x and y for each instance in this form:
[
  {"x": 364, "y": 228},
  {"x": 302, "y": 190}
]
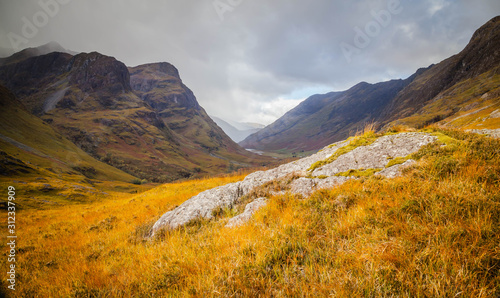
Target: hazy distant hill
[
  {"x": 237, "y": 131},
  {"x": 461, "y": 91}
]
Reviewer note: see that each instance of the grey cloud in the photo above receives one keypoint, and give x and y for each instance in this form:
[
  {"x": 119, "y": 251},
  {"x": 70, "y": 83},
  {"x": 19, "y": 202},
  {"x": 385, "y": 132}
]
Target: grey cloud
[{"x": 246, "y": 66}]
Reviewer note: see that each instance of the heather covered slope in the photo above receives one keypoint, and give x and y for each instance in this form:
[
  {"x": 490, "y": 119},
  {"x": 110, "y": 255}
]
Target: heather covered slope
[
  {"x": 464, "y": 86},
  {"x": 46, "y": 152},
  {"x": 46, "y": 168},
  {"x": 89, "y": 99}
]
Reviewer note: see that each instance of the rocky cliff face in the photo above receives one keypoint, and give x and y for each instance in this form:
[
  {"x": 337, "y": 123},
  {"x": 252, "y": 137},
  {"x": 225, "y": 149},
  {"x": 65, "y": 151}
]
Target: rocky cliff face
[
  {"x": 160, "y": 85},
  {"x": 464, "y": 82}
]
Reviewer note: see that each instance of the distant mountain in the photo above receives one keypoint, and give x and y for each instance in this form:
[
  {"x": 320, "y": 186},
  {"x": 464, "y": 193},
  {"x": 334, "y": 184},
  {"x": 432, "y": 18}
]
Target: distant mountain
[
  {"x": 461, "y": 91},
  {"x": 323, "y": 119},
  {"x": 147, "y": 124},
  {"x": 246, "y": 125},
  {"x": 32, "y": 52},
  {"x": 237, "y": 131}
]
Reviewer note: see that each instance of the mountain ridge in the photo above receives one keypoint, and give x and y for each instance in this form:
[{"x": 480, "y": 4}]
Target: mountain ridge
[
  {"x": 416, "y": 101},
  {"x": 90, "y": 99}
]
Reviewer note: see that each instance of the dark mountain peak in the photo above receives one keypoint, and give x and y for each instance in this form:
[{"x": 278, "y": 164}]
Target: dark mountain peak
[
  {"x": 156, "y": 72},
  {"x": 94, "y": 71},
  {"x": 487, "y": 31},
  {"x": 362, "y": 84},
  {"x": 160, "y": 85},
  {"x": 160, "y": 69}
]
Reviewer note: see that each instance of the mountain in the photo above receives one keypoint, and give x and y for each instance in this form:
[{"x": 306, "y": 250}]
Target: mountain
[
  {"x": 160, "y": 86},
  {"x": 154, "y": 132},
  {"x": 237, "y": 131},
  {"x": 323, "y": 119},
  {"x": 461, "y": 91}
]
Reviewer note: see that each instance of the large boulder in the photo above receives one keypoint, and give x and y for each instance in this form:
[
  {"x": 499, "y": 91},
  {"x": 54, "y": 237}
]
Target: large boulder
[{"x": 303, "y": 179}]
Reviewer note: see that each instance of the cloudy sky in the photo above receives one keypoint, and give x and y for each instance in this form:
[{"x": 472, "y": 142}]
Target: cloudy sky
[{"x": 252, "y": 60}]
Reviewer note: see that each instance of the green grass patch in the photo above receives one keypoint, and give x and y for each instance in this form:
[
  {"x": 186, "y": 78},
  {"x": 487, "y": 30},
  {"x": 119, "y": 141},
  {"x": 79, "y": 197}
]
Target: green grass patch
[
  {"x": 364, "y": 140},
  {"x": 397, "y": 161}
]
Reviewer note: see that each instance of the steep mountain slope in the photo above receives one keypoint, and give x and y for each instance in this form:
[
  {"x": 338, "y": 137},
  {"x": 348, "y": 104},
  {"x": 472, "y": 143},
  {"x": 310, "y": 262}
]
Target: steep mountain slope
[
  {"x": 89, "y": 99},
  {"x": 323, "y": 119},
  {"x": 442, "y": 90},
  {"x": 461, "y": 91},
  {"x": 161, "y": 87},
  {"x": 46, "y": 152},
  {"x": 236, "y": 134}
]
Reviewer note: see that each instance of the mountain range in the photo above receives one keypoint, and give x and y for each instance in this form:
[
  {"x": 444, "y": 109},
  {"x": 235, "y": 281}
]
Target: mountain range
[
  {"x": 461, "y": 91},
  {"x": 140, "y": 120}
]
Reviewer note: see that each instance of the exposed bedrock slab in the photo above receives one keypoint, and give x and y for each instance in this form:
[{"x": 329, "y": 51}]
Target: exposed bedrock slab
[
  {"x": 250, "y": 209},
  {"x": 374, "y": 156}
]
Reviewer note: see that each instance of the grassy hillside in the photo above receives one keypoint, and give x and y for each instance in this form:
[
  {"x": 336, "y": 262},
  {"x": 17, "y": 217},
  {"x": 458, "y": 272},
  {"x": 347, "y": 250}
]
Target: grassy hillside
[
  {"x": 467, "y": 104},
  {"x": 52, "y": 168},
  {"x": 433, "y": 232}
]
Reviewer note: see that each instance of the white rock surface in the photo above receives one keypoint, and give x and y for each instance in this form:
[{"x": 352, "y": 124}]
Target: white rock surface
[
  {"x": 250, "y": 209},
  {"x": 374, "y": 156}
]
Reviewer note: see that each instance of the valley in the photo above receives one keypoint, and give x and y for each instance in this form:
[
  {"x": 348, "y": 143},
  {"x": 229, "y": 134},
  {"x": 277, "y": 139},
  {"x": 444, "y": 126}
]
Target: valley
[{"x": 120, "y": 184}]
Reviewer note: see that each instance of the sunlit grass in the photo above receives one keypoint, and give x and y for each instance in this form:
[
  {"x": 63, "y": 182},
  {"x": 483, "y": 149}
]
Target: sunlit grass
[{"x": 434, "y": 232}]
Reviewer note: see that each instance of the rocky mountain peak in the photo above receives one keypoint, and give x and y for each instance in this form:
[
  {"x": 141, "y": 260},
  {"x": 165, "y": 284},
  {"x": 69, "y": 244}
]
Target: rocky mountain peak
[
  {"x": 160, "y": 85},
  {"x": 94, "y": 71}
]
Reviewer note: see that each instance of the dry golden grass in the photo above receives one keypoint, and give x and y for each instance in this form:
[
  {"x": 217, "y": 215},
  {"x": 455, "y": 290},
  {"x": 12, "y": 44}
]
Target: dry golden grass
[{"x": 434, "y": 232}]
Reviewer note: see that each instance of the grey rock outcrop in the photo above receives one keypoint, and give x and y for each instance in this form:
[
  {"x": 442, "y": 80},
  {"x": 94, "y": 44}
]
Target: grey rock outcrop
[
  {"x": 395, "y": 170},
  {"x": 494, "y": 133},
  {"x": 303, "y": 181},
  {"x": 250, "y": 209}
]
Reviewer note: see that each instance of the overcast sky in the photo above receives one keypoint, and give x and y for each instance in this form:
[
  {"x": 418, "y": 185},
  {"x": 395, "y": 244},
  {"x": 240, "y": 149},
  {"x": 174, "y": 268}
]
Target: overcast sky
[{"x": 253, "y": 60}]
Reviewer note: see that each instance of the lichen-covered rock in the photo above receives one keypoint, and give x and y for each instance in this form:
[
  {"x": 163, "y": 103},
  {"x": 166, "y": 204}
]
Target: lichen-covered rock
[
  {"x": 374, "y": 156},
  {"x": 201, "y": 205},
  {"x": 250, "y": 209},
  {"x": 306, "y": 186},
  {"x": 395, "y": 170},
  {"x": 494, "y": 133}
]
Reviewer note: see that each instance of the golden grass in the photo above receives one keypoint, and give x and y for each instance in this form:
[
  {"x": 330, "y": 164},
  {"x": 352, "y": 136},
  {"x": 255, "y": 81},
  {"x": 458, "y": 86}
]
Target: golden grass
[{"x": 434, "y": 232}]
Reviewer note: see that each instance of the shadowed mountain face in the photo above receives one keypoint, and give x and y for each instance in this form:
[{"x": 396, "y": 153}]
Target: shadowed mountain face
[
  {"x": 153, "y": 128},
  {"x": 160, "y": 86},
  {"x": 323, "y": 119},
  {"x": 454, "y": 88}
]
